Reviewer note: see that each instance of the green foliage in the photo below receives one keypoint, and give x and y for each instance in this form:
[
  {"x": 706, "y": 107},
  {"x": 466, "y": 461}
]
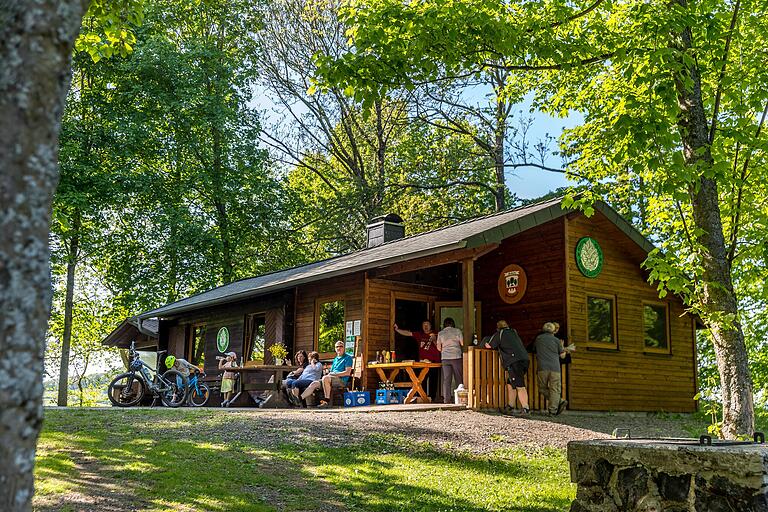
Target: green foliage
[
  {"x": 331, "y": 328},
  {"x": 108, "y": 28},
  {"x": 634, "y": 71}
]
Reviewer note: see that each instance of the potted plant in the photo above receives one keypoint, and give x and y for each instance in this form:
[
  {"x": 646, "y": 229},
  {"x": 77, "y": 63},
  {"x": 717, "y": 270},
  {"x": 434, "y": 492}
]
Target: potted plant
[{"x": 279, "y": 352}]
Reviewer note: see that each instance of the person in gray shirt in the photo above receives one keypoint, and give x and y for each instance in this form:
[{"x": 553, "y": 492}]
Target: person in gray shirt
[
  {"x": 549, "y": 351},
  {"x": 450, "y": 342}
]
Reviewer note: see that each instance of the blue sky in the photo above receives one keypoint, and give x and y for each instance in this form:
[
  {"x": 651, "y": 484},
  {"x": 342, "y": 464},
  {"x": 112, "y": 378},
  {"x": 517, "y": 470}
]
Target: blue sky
[{"x": 526, "y": 183}]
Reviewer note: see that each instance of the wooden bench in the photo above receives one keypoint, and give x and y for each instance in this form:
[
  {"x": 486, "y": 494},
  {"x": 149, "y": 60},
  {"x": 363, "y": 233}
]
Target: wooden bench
[{"x": 337, "y": 394}]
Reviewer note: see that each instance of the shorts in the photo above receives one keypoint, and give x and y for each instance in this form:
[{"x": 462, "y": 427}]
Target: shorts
[
  {"x": 338, "y": 382},
  {"x": 227, "y": 385},
  {"x": 516, "y": 373}
]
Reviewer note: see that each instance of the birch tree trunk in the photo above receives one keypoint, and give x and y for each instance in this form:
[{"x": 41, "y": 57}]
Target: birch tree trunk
[
  {"x": 718, "y": 301},
  {"x": 36, "y": 39}
]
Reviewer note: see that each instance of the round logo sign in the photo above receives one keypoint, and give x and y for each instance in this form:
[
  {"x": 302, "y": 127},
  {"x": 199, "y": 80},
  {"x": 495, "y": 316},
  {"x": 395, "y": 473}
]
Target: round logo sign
[
  {"x": 589, "y": 257},
  {"x": 512, "y": 284},
  {"x": 222, "y": 339}
]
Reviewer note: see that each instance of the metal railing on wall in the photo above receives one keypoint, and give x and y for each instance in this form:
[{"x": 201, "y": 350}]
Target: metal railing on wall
[{"x": 487, "y": 381}]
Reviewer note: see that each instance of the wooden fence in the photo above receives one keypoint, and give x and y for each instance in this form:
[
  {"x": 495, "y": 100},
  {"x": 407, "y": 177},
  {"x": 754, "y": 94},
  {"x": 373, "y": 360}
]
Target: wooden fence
[{"x": 487, "y": 381}]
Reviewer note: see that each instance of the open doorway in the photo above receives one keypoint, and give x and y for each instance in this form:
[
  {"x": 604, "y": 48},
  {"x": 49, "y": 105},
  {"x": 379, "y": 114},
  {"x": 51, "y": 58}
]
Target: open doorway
[{"x": 409, "y": 314}]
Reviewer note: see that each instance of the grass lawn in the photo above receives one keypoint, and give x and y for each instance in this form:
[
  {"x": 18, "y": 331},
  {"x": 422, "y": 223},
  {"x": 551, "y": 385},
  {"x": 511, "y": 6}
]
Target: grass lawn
[{"x": 164, "y": 459}]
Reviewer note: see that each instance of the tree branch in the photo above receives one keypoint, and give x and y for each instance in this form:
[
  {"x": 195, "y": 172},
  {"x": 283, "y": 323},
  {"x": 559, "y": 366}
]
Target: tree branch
[{"x": 720, "y": 79}]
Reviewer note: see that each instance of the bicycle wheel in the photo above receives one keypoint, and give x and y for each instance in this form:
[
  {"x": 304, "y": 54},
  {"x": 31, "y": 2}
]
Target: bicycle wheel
[
  {"x": 198, "y": 396},
  {"x": 126, "y": 390},
  {"x": 171, "y": 394}
]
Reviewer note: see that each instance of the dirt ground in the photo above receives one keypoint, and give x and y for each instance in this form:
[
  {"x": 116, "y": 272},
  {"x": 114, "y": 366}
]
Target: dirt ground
[{"x": 465, "y": 430}]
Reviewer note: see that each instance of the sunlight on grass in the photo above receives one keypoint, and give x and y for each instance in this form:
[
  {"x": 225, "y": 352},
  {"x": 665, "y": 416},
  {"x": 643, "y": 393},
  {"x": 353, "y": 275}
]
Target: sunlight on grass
[{"x": 199, "y": 463}]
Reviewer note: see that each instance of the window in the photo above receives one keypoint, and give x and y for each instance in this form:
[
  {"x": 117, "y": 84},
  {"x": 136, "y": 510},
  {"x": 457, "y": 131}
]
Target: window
[
  {"x": 255, "y": 337},
  {"x": 601, "y": 321},
  {"x": 197, "y": 345},
  {"x": 656, "y": 327},
  {"x": 330, "y": 325}
]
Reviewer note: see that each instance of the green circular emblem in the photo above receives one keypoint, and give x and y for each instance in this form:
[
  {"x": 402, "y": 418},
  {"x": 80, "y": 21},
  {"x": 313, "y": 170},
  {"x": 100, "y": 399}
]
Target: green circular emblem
[
  {"x": 222, "y": 339},
  {"x": 589, "y": 257}
]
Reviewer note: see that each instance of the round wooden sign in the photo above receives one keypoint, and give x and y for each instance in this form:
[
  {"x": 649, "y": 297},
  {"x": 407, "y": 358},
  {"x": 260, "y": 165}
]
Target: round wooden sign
[
  {"x": 512, "y": 284},
  {"x": 222, "y": 339},
  {"x": 589, "y": 257}
]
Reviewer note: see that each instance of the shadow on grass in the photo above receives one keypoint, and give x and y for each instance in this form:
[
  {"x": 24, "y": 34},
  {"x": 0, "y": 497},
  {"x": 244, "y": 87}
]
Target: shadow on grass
[{"x": 165, "y": 465}]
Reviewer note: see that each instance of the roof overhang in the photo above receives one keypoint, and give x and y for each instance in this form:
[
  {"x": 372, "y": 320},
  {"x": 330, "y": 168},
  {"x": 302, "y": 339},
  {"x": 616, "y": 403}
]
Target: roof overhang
[{"x": 168, "y": 311}]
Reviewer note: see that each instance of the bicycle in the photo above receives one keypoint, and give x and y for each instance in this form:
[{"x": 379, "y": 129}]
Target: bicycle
[
  {"x": 129, "y": 388},
  {"x": 197, "y": 392}
]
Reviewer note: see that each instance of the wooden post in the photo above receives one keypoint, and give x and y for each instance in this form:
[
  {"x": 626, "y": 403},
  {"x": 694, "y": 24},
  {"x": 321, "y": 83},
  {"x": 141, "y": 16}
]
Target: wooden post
[{"x": 468, "y": 299}]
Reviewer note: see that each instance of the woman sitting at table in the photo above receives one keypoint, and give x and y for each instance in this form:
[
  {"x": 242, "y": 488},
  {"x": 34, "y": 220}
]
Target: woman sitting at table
[
  {"x": 301, "y": 359},
  {"x": 311, "y": 373}
]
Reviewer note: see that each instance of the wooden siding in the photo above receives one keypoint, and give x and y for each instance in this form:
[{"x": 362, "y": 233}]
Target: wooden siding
[
  {"x": 626, "y": 379},
  {"x": 347, "y": 288},
  {"x": 539, "y": 252},
  {"x": 176, "y": 332}
]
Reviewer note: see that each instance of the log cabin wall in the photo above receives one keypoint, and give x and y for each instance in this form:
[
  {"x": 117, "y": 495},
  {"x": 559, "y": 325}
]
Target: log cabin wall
[
  {"x": 348, "y": 288},
  {"x": 177, "y": 333},
  {"x": 540, "y": 252},
  {"x": 627, "y": 378}
]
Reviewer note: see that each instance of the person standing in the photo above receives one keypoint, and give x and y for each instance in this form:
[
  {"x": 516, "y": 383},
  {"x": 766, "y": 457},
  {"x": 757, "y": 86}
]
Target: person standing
[
  {"x": 450, "y": 342},
  {"x": 427, "y": 340},
  {"x": 549, "y": 352},
  {"x": 514, "y": 357}
]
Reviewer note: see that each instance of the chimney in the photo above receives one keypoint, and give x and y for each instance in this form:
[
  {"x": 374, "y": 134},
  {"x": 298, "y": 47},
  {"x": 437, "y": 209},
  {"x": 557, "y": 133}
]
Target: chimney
[{"x": 385, "y": 229}]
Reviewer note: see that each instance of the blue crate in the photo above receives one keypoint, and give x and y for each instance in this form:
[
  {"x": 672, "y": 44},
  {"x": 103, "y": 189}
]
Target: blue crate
[
  {"x": 356, "y": 398},
  {"x": 390, "y": 396}
]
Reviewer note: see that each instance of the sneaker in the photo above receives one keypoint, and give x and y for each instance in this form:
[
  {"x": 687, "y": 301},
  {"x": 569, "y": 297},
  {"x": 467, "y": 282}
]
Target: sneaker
[
  {"x": 525, "y": 411},
  {"x": 508, "y": 409},
  {"x": 561, "y": 406},
  {"x": 324, "y": 404}
]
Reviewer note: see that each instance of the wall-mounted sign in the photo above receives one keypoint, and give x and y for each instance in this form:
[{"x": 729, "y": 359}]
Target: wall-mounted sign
[
  {"x": 589, "y": 257},
  {"x": 512, "y": 283},
  {"x": 222, "y": 339}
]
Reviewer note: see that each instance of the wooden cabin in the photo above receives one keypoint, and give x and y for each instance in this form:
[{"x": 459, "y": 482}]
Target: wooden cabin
[{"x": 529, "y": 265}]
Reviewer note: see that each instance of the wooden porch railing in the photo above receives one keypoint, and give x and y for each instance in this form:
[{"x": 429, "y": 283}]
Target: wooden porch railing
[{"x": 487, "y": 381}]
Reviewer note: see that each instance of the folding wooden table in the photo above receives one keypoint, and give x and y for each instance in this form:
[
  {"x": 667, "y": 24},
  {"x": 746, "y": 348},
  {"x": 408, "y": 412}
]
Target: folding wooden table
[{"x": 415, "y": 370}]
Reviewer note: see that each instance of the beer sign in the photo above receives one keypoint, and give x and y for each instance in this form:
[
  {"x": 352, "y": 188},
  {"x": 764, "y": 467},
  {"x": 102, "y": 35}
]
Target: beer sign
[{"x": 512, "y": 283}]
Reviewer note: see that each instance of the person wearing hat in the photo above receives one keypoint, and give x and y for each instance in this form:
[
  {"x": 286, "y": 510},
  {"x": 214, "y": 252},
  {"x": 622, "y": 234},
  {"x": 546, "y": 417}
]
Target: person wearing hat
[
  {"x": 228, "y": 378},
  {"x": 182, "y": 366}
]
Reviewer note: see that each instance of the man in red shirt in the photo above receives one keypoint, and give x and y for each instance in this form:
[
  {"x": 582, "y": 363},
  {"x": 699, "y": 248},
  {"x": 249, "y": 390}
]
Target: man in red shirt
[{"x": 427, "y": 339}]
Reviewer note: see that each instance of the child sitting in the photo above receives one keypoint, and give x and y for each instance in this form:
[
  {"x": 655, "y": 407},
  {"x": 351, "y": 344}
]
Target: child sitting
[{"x": 228, "y": 379}]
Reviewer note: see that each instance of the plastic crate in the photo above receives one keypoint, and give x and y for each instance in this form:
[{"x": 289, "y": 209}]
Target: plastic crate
[
  {"x": 390, "y": 396},
  {"x": 356, "y": 398}
]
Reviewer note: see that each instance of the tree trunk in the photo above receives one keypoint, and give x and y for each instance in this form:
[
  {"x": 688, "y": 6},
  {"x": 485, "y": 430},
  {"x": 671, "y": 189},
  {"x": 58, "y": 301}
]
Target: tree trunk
[
  {"x": 498, "y": 154},
  {"x": 36, "y": 40},
  {"x": 66, "y": 338},
  {"x": 718, "y": 301}
]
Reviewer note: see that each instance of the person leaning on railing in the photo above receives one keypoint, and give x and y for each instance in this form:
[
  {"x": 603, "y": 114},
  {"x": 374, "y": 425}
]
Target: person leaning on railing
[{"x": 514, "y": 357}]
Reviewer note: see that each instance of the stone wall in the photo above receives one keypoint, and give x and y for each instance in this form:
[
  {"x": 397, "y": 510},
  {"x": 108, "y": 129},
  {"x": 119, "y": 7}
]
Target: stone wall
[{"x": 671, "y": 476}]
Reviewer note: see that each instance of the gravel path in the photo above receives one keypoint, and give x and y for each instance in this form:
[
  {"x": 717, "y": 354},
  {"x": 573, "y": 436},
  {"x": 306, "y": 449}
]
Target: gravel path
[{"x": 458, "y": 429}]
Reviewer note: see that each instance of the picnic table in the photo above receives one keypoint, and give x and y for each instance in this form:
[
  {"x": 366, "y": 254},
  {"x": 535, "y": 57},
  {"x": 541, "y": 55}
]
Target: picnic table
[
  {"x": 277, "y": 372},
  {"x": 416, "y": 371}
]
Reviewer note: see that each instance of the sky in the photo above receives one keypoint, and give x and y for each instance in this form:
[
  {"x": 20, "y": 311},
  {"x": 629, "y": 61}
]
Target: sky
[{"x": 526, "y": 183}]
